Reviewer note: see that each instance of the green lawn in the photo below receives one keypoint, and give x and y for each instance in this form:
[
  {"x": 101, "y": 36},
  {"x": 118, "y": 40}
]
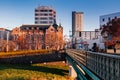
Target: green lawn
[{"x": 49, "y": 71}]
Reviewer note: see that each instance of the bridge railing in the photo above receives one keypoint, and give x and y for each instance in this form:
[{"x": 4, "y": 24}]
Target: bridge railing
[
  {"x": 80, "y": 60},
  {"x": 107, "y": 66}
]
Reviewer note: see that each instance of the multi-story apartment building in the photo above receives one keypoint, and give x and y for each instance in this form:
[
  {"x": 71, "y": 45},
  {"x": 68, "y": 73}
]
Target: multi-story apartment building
[
  {"x": 34, "y": 37},
  {"x": 45, "y": 15},
  {"x": 88, "y": 35},
  {"x": 104, "y": 19},
  {"x": 77, "y": 22}
]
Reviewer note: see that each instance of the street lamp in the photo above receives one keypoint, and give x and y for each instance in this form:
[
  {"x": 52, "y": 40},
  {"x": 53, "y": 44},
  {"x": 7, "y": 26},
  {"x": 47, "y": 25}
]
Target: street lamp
[{"x": 7, "y": 40}]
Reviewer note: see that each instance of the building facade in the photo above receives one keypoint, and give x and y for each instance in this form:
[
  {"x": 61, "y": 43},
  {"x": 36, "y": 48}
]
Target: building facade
[
  {"x": 6, "y": 44},
  {"x": 45, "y": 15},
  {"x": 104, "y": 19},
  {"x": 77, "y": 22},
  {"x": 3, "y": 33},
  {"x": 88, "y": 35},
  {"x": 34, "y": 37}
]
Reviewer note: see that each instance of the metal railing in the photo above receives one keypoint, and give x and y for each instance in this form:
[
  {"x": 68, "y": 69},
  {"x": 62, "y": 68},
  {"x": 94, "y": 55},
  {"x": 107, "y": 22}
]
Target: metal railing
[
  {"x": 107, "y": 66},
  {"x": 85, "y": 74}
]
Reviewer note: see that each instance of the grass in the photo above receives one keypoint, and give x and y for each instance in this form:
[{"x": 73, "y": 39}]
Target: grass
[{"x": 49, "y": 71}]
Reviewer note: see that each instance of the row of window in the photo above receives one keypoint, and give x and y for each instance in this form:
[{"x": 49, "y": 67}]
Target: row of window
[
  {"x": 109, "y": 18},
  {"x": 44, "y": 18},
  {"x": 44, "y": 10},
  {"x": 87, "y": 34},
  {"x": 44, "y": 15},
  {"x": 44, "y": 22},
  {"x": 32, "y": 28}
]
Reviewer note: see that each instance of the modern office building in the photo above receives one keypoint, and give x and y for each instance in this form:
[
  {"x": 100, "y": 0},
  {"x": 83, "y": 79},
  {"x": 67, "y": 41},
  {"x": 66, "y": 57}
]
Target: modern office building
[
  {"x": 77, "y": 22},
  {"x": 104, "y": 19},
  {"x": 45, "y": 15}
]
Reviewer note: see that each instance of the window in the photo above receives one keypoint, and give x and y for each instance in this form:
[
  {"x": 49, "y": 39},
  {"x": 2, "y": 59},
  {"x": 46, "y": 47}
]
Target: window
[
  {"x": 103, "y": 19},
  {"x": 50, "y": 10},
  {"x": 36, "y": 22},
  {"x": 30, "y": 28},
  {"x": 51, "y": 18},
  {"x": 79, "y": 34},
  {"x": 25, "y": 28},
  {"x": 115, "y": 17},
  {"x": 43, "y": 18},
  {"x": 36, "y": 14},
  {"x": 45, "y": 14},
  {"x": 52, "y": 30},
  {"x": 35, "y": 28},
  {"x": 50, "y": 14},
  {"x": 43, "y": 22},
  {"x": 109, "y": 19},
  {"x": 43, "y": 10},
  {"x": 41, "y": 14},
  {"x": 85, "y": 34},
  {"x": 36, "y": 10},
  {"x": 36, "y": 18},
  {"x": 54, "y": 12},
  {"x": 50, "y": 22}
]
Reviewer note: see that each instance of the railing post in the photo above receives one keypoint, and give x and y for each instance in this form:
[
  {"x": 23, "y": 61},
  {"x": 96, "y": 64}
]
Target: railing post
[{"x": 72, "y": 72}]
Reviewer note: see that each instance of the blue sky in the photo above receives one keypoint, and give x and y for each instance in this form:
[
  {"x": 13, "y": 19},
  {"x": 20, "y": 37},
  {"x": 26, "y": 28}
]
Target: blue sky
[{"x": 14, "y": 13}]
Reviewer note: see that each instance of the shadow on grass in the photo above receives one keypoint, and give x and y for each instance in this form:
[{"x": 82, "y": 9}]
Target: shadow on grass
[{"x": 44, "y": 69}]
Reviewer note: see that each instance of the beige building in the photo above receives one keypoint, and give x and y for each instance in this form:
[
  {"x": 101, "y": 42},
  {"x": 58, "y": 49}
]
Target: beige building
[
  {"x": 45, "y": 15},
  {"x": 77, "y": 22}
]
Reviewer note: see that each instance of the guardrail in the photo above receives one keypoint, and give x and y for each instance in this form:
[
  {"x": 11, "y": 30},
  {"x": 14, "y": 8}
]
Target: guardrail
[
  {"x": 107, "y": 66},
  {"x": 87, "y": 75}
]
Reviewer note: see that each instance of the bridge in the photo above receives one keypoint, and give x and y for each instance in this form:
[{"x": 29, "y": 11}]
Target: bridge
[{"x": 83, "y": 65}]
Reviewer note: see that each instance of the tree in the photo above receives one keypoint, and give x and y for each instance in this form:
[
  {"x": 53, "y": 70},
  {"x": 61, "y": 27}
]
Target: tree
[{"x": 112, "y": 29}]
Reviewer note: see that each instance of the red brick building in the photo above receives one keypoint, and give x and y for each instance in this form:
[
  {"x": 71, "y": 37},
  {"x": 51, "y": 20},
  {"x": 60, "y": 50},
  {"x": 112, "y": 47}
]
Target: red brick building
[{"x": 34, "y": 37}]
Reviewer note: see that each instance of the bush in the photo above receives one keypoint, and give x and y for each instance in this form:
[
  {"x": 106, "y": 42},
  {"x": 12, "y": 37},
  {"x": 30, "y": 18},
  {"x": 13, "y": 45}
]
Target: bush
[{"x": 26, "y": 52}]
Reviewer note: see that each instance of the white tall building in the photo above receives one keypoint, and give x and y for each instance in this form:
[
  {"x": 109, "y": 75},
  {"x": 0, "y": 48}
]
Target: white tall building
[
  {"x": 104, "y": 19},
  {"x": 45, "y": 15}
]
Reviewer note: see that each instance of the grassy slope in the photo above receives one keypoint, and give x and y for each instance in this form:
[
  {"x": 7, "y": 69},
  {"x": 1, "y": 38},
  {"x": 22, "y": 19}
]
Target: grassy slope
[{"x": 49, "y": 71}]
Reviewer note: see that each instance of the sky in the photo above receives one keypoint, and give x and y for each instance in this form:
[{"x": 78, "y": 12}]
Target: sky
[{"x": 14, "y": 13}]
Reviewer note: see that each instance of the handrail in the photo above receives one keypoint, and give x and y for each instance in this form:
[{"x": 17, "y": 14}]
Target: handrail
[
  {"x": 79, "y": 73},
  {"x": 87, "y": 71},
  {"x": 105, "y": 66}
]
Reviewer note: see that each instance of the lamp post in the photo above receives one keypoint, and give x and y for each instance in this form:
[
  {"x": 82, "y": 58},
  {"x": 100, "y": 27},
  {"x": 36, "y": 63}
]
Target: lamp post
[
  {"x": 7, "y": 40},
  {"x": 1, "y": 38}
]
